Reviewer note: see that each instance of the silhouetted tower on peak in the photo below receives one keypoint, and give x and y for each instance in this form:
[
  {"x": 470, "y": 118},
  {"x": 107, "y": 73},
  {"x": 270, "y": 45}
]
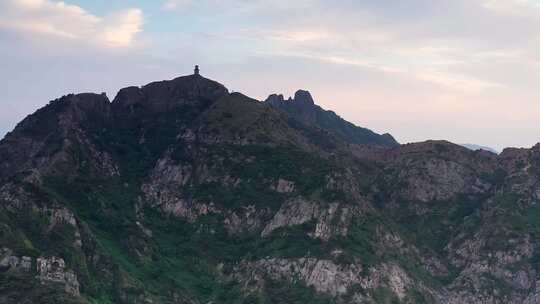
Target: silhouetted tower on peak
[{"x": 196, "y": 72}]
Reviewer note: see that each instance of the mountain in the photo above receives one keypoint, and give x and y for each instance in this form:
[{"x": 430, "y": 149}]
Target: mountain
[
  {"x": 478, "y": 147},
  {"x": 303, "y": 108},
  {"x": 181, "y": 192}
]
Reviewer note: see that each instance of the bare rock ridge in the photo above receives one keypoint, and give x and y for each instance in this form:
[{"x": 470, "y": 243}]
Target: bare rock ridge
[
  {"x": 180, "y": 192},
  {"x": 303, "y": 108}
]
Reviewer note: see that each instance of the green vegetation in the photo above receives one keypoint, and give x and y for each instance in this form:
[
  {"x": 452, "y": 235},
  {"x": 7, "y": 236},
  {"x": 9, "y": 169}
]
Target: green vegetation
[
  {"x": 276, "y": 292},
  {"x": 258, "y": 167},
  {"x": 360, "y": 244},
  {"x": 435, "y": 230},
  {"x": 384, "y": 295},
  {"x": 290, "y": 242}
]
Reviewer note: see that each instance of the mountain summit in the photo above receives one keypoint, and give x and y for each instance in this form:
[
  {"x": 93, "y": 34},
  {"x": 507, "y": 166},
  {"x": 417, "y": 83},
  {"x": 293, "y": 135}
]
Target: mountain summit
[{"x": 180, "y": 192}]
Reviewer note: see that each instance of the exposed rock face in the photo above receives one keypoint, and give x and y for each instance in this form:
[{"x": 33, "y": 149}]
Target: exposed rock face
[
  {"x": 293, "y": 213},
  {"x": 53, "y": 269},
  {"x": 331, "y": 220},
  {"x": 327, "y": 277},
  {"x": 438, "y": 180},
  {"x": 60, "y": 216},
  {"x": 323, "y": 275},
  {"x": 437, "y": 171},
  {"x": 9, "y": 262},
  {"x": 284, "y": 186}
]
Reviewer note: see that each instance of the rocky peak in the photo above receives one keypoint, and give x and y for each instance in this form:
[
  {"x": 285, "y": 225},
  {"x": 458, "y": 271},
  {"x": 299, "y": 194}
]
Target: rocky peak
[
  {"x": 275, "y": 99},
  {"x": 84, "y": 109},
  {"x": 192, "y": 87},
  {"x": 303, "y": 108},
  {"x": 44, "y": 141},
  {"x": 302, "y": 100},
  {"x": 164, "y": 95},
  {"x": 89, "y": 101},
  {"x": 72, "y": 107},
  {"x": 127, "y": 97},
  {"x": 302, "y": 97}
]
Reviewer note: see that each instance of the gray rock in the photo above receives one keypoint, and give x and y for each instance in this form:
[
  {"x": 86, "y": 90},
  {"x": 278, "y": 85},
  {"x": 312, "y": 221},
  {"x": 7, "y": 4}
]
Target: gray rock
[{"x": 53, "y": 269}]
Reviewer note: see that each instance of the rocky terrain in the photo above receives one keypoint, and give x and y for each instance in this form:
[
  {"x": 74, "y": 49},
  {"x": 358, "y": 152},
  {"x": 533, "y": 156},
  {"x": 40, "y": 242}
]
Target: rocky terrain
[{"x": 181, "y": 192}]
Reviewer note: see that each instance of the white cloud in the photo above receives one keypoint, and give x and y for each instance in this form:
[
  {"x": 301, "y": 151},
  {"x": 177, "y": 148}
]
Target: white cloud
[
  {"x": 122, "y": 30},
  {"x": 35, "y": 18}
]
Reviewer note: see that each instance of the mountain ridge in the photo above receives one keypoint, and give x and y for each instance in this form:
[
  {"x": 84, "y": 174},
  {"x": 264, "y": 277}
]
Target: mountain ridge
[{"x": 303, "y": 108}]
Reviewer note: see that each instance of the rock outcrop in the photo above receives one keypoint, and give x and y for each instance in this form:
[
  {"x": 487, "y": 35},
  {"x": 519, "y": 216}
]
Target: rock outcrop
[
  {"x": 53, "y": 270},
  {"x": 9, "y": 262}
]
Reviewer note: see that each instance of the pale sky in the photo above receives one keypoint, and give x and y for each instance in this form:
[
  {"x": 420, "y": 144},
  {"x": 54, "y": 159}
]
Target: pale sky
[{"x": 463, "y": 70}]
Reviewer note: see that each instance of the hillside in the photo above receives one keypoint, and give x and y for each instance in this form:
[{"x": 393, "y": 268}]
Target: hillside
[{"x": 181, "y": 192}]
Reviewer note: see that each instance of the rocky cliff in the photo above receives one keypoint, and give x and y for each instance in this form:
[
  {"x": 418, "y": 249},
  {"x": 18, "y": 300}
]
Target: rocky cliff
[{"x": 181, "y": 192}]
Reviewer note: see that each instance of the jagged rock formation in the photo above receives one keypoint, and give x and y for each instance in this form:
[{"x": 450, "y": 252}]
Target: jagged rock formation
[
  {"x": 181, "y": 192},
  {"x": 303, "y": 108}
]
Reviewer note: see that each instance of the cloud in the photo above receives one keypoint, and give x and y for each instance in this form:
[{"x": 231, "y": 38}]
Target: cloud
[
  {"x": 299, "y": 35},
  {"x": 122, "y": 31},
  {"x": 175, "y": 4},
  {"x": 464, "y": 45},
  {"x": 449, "y": 80},
  {"x": 57, "y": 19},
  {"x": 517, "y": 7}
]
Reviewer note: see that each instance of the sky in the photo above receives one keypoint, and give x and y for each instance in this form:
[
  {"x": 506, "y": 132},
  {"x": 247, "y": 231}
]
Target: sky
[{"x": 467, "y": 71}]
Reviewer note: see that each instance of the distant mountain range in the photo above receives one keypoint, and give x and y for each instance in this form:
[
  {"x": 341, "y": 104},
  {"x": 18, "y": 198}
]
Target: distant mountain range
[
  {"x": 180, "y": 192},
  {"x": 477, "y": 147}
]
